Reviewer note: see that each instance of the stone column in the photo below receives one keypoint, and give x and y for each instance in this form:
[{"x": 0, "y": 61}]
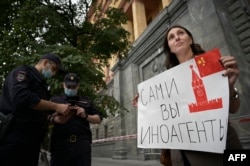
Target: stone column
[
  {"x": 120, "y": 151},
  {"x": 129, "y": 27},
  {"x": 139, "y": 17},
  {"x": 166, "y": 3}
]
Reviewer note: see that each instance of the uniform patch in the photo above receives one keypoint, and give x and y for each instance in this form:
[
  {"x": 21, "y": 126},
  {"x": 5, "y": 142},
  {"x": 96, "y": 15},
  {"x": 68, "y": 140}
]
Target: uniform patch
[{"x": 21, "y": 75}]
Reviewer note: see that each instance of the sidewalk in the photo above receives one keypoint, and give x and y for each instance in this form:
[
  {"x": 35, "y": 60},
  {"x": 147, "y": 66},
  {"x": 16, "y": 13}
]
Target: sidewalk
[
  {"x": 101, "y": 161},
  {"x": 112, "y": 162}
]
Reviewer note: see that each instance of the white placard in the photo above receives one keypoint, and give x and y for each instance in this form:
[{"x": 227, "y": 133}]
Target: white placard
[{"x": 183, "y": 109}]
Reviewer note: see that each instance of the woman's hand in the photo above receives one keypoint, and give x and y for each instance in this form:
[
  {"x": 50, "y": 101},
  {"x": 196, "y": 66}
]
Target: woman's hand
[
  {"x": 232, "y": 70},
  {"x": 135, "y": 100}
]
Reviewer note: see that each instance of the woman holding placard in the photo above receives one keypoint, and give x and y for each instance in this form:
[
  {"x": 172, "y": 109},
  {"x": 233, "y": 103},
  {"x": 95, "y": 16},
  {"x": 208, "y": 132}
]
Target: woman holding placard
[{"x": 180, "y": 47}]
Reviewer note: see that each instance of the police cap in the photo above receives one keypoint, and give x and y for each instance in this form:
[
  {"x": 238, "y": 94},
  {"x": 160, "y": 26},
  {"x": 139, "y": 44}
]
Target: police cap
[
  {"x": 54, "y": 58},
  {"x": 71, "y": 79}
]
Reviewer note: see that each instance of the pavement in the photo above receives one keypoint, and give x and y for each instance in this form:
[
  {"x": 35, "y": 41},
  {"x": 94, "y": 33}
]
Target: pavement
[{"x": 112, "y": 162}]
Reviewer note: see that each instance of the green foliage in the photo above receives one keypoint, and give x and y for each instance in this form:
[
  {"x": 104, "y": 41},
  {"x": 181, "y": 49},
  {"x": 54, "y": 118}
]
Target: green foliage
[
  {"x": 110, "y": 36},
  {"x": 31, "y": 28}
]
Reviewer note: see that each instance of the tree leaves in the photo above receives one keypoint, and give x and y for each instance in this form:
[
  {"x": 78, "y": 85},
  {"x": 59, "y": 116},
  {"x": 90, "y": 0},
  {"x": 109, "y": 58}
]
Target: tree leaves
[{"x": 31, "y": 28}]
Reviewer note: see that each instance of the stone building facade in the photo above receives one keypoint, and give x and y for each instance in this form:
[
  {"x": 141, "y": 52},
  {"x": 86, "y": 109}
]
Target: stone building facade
[{"x": 223, "y": 24}]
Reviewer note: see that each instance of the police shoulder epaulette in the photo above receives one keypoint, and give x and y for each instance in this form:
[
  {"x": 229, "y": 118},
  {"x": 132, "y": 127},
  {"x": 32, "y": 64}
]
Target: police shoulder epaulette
[{"x": 84, "y": 100}]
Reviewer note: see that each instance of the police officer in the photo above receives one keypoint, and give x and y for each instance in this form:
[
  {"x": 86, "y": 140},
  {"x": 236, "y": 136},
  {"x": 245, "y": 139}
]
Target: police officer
[
  {"x": 71, "y": 141},
  {"x": 26, "y": 96}
]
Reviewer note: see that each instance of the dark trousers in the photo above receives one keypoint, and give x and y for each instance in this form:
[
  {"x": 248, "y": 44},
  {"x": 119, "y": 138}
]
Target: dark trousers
[
  {"x": 12, "y": 155},
  {"x": 21, "y": 147},
  {"x": 71, "y": 154},
  {"x": 16, "y": 151}
]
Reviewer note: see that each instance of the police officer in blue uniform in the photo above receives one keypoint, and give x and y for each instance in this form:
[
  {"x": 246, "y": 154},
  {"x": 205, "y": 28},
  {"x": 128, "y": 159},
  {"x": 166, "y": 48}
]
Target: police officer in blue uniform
[
  {"x": 71, "y": 141},
  {"x": 26, "y": 96}
]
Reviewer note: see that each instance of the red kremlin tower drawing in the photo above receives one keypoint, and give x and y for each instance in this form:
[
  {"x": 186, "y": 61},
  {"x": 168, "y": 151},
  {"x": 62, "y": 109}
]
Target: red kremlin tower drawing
[{"x": 202, "y": 102}]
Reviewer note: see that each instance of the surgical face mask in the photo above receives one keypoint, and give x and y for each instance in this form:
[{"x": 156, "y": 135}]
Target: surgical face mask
[
  {"x": 70, "y": 92},
  {"x": 47, "y": 73}
]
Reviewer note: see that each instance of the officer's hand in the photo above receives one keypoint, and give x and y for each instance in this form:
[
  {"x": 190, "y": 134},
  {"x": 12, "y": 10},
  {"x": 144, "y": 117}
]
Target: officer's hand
[
  {"x": 72, "y": 110},
  {"x": 81, "y": 112},
  {"x": 62, "y": 109},
  {"x": 61, "y": 119}
]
